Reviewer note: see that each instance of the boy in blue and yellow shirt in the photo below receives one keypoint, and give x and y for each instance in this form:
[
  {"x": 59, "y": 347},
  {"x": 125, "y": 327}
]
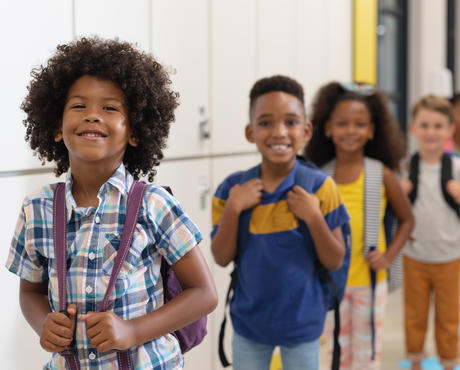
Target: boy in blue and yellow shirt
[{"x": 278, "y": 300}]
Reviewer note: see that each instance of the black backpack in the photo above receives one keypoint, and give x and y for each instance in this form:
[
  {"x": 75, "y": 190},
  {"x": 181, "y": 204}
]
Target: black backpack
[{"x": 446, "y": 175}]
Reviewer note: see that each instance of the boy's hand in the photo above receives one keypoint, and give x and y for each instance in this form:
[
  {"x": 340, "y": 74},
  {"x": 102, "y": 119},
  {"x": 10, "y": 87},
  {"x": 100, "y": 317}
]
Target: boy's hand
[
  {"x": 107, "y": 331},
  {"x": 58, "y": 328},
  {"x": 377, "y": 261},
  {"x": 245, "y": 196},
  {"x": 453, "y": 188},
  {"x": 407, "y": 186},
  {"x": 304, "y": 205}
]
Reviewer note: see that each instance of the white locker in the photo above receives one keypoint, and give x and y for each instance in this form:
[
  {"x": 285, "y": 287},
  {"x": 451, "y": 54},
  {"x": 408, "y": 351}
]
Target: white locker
[
  {"x": 276, "y": 34},
  {"x": 190, "y": 183},
  {"x": 323, "y": 43},
  {"x": 21, "y": 338},
  {"x": 233, "y": 72},
  {"x": 29, "y": 33},
  {"x": 129, "y": 21},
  {"x": 181, "y": 42}
]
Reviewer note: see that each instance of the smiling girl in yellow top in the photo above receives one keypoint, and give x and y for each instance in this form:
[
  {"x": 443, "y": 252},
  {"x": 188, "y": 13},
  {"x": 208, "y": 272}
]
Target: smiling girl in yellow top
[{"x": 352, "y": 122}]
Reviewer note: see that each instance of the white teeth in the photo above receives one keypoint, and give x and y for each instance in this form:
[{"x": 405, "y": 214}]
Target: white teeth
[
  {"x": 91, "y": 134},
  {"x": 280, "y": 146}
]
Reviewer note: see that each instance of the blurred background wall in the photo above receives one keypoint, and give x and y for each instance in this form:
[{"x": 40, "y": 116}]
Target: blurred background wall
[{"x": 215, "y": 50}]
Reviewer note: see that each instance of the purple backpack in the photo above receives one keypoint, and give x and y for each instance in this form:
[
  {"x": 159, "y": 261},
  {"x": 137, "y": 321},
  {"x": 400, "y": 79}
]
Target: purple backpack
[{"x": 188, "y": 336}]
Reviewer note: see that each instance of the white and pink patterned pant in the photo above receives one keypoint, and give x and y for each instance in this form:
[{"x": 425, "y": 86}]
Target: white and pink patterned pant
[{"x": 355, "y": 332}]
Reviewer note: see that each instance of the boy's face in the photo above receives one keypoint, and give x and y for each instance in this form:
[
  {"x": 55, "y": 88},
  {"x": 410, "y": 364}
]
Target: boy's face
[
  {"x": 431, "y": 129},
  {"x": 95, "y": 126},
  {"x": 278, "y": 127}
]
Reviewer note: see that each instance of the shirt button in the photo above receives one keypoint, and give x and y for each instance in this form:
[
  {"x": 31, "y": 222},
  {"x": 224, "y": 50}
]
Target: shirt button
[
  {"x": 89, "y": 289},
  {"x": 92, "y": 356},
  {"x": 97, "y": 219},
  {"x": 91, "y": 256}
]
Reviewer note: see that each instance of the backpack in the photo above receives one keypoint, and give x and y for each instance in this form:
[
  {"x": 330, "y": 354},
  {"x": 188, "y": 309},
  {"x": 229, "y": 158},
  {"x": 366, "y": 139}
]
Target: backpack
[
  {"x": 332, "y": 283},
  {"x": 188, "y": 336},
  {"x": 373, "y": 180},
  {"x": 446, "y": 175}
]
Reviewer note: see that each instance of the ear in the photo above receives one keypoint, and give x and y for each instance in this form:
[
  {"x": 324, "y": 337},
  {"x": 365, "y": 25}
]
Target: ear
[
  {"x": 411, "y": 127},
  {"x": 249, "y": 132},
  {"x": 133, "y": 141},
  {"x": 58, "y": 134},
  {"x": 308, "y": 131}
]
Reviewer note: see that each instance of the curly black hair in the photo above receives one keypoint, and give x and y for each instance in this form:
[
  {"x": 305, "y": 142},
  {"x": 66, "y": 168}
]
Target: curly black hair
[
  {"x": 387, "y": 145},
  {"x": 275, "y": 83},
  {"x": 145, "y": 85}
]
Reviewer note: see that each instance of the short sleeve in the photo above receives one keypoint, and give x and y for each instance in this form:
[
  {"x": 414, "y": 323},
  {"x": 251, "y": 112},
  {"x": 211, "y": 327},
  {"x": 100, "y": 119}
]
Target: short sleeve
[
  {"x": 218, "y": 204},
  {"x": 331, "y": 204},
  {"x": 23, "y": 257},
  {"x": 175, "y": 233}
]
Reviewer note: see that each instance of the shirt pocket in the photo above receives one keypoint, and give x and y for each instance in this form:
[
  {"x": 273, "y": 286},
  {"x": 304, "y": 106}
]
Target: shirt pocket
[{"x": 132, "y": 259}]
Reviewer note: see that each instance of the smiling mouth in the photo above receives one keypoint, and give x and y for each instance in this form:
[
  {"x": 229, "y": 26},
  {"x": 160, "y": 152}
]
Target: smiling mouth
[
  {"x": 91, "y": 134},
  {"x": 279, "y": 146}
]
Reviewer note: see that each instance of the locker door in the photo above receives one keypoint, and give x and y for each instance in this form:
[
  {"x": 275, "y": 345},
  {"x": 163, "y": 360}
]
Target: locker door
[
  {"x": 190, "y": 183},
  {"x": 21, "y": 338},
  {"x": 276, "y": 34},
  {"x": 129, "y": 21},
  {"x": 181, "y": 42},
  {"x": 233, "y": 58},
  {"x": 29, "y": 32}
]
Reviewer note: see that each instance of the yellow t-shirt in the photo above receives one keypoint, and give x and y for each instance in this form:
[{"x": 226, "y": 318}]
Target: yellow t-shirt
[{"x": 353, "y": 197}]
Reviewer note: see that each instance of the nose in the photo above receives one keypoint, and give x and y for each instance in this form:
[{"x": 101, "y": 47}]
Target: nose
[
  {"x": 92, "y": 116},
  {"x": 279, "y": 129}
]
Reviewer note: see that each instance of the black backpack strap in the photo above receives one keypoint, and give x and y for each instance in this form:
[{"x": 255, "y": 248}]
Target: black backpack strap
[
  {"x": 413, "y": 176},
  {"x": 223, "y": 358},
  {"x": 326, "y": 277},
  {"x": 446, "y": 175}
]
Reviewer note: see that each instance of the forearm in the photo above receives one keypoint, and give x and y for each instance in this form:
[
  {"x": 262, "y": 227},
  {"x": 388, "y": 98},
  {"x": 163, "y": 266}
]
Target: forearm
[
  {"x": 34, "y": 305},
  {"x": 184, "y": 309},
  {"x": 329, "y": 249},
  {"x": 401, "y": 236},
  {"x": 224, "y": 242}
]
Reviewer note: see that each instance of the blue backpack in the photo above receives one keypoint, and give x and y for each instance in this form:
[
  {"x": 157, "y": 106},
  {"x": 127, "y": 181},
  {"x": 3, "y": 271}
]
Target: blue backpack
[{"x": 332, "y": 283}]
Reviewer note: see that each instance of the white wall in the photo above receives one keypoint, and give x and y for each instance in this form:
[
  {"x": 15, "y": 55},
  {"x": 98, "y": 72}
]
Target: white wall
[{"x": 215, "y": 49}]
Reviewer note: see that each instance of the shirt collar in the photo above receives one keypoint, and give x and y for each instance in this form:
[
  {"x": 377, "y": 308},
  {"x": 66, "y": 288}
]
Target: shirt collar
[{"x": 121, "y": 180}]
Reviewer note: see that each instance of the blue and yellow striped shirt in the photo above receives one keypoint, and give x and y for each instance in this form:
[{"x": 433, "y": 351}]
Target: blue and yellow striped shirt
[{"x": 278, "y": 299}]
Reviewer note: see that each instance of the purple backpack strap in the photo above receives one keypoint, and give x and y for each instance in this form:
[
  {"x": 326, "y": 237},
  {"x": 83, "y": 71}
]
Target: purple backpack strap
[{"x": 133, "y": 207}]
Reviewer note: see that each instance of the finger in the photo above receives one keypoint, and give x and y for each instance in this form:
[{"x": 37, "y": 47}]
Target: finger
[
  {"x": 57, "y": 340},
  {"x": 299, "y": 190},
  {"x": 90, "y": 318},
  {"x": 105, "y": 346},
  {"x": 60, "y": 331},
  {"x": 94, "y": 330},
  {"x": 61, "y": 319},
  {"x": 51, "y": 347},
  {"x": 96, "y": 338}
]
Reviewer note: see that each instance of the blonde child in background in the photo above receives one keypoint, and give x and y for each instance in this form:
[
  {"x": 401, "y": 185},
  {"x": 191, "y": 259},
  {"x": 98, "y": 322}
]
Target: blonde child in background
[
  {"x": 351, "y": 123},
  {"x": 431, "y": 259}
]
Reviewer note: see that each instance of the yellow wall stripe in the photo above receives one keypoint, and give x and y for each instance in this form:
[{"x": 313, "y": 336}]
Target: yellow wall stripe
[{"x": 365, "y": 41}]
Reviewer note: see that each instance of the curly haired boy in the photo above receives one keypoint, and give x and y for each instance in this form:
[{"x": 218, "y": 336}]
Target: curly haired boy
[{"x": 101, "y": 110}]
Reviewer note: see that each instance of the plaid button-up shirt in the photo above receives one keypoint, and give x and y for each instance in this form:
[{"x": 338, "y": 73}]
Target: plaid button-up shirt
[{"x": 93, "y": 237}]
